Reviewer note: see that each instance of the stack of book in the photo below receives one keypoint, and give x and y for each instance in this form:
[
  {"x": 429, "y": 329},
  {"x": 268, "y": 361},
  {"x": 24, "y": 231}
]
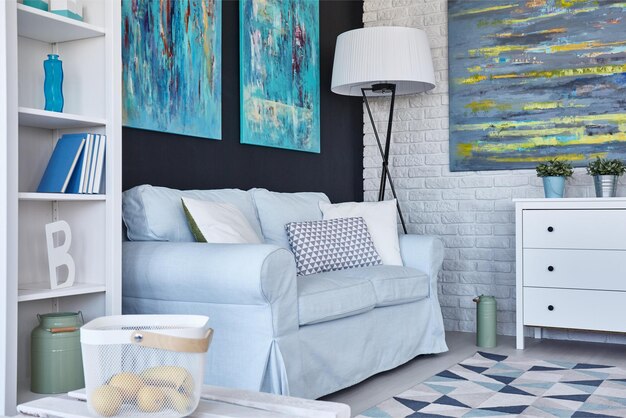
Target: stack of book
[{"x": 76, "y": 165}]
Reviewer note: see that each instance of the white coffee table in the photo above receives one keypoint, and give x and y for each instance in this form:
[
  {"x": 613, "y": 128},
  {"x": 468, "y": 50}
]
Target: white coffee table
[{"x": 215, "y": 402}]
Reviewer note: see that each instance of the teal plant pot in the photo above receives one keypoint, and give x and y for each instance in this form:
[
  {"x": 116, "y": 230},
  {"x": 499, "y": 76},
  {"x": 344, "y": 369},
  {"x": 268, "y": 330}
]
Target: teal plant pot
[{"x": 554, "y": 186}]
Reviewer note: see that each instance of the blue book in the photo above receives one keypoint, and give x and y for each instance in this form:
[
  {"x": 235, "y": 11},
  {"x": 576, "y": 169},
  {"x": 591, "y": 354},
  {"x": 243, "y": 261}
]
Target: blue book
[{"x": 62, "y": 163}]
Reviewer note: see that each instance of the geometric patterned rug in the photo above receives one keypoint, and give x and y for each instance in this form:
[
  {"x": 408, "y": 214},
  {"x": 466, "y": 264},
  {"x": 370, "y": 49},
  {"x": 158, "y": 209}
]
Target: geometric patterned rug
[{"x": 491, "y": 385}]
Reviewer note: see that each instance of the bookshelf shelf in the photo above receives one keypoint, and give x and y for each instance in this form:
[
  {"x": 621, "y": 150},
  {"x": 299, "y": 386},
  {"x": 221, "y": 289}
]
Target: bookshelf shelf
[
  {"x": 48, "y": 27},
  {"x": 25, "y": 295},
  {"x": 66, "y": 197},
  {"x": 38, "y": 118}
]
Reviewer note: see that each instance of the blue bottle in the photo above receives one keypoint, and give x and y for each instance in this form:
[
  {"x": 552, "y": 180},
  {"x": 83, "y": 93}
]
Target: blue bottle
[{"x": 53, "y": 83}]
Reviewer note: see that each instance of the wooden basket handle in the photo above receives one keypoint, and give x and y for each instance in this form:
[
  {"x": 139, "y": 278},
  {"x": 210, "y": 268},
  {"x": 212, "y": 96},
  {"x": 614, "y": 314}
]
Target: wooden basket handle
[{"x": 171, "y": 343}]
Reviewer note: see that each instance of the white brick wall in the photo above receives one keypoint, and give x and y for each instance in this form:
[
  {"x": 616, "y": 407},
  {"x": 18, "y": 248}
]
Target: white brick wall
[{"x": 471, "y": 211}]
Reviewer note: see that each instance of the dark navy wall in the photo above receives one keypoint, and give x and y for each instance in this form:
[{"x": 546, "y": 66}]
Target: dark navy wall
[{"x": 186, "y": 162}]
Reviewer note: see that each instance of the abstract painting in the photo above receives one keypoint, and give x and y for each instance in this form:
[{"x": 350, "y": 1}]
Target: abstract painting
[
  {"x": 535, "y": 79},
  {"x": 172, "y": 68},
  {"x": 280, "y": 86}
]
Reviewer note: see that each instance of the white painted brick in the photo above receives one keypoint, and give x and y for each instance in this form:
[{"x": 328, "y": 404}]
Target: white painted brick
[
  {"x": 439, "y": 229},
  {"x": 457, "y": 217},
  {"x": 492, "y": 194},
  {"x": 476, "y": 278},
  {"x": 458, "y": 194},
  {"x": 504, "y": 255},
  {"x": 476, "y": 254},
  {"x": 476, "y": 205},
  {"x": 511, "y": 181},
  {"x": 424, "y": 218},
  {"x": 504, "y": 229},
  {"x": 440, "y": 183},
  {"x": 475, "y": 229},
  {"x": 440, "y": 206},
  {"x": 493, "y": 266},
  {"x": 424, "y": 171},
  {"x": 476, "y": 182},
  {"x": 458, "y": 265},
  {"x": 492, "y": 242},
  {"x": 425, "y": 148},
  {"x": 373, "y": 5},
  {"x": 437, "y": 159},
  {"x": 424, "y": 195},
  {"x": 458, "y": 242}
]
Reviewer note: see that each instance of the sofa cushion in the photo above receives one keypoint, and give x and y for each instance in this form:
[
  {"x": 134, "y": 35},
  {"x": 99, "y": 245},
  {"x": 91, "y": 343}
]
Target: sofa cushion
[
  {"x": 335, "y": 244},
  {"x": 327, "y": 296},
  {"x": 382, "y": 222},
  {"x": 219, "y": 223},
  {"x": 275, "y": 210},
  {"x": 155, "y": 213},
  {"x": 393, "y": 285}
]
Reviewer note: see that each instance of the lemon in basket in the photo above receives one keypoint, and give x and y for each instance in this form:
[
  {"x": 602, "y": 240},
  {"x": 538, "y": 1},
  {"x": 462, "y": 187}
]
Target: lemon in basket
[
  {"x": 169, "y": 376},
  {"x": 106, "y": 400},
  {"x": 128, "y": 383},
  {"x": 151, "y": 399}
]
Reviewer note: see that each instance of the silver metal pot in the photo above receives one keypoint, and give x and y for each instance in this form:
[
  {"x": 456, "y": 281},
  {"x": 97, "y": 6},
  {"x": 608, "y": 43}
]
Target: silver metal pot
[{"x": 606, "y": 186}]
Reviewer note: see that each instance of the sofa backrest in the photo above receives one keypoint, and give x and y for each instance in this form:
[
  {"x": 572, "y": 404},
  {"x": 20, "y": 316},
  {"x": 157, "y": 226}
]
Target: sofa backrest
[
  {"x": 274, "y": 210},
  {"x": 154, "y": 213}
]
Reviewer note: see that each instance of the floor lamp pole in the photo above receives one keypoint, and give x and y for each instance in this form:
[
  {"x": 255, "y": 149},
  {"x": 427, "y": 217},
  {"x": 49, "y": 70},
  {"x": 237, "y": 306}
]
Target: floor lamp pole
[{"x": 384, "y": 153}]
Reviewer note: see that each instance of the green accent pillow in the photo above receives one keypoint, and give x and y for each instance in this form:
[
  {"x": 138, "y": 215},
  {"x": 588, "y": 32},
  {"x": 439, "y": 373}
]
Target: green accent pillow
[{"x": 197, "y": 234}]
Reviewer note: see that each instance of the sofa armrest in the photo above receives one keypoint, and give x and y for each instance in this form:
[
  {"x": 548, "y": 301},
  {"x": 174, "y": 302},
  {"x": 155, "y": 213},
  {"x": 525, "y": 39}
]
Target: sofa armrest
[
  {"x": 254, "y": 274},
  {"x": 422, "y": 252}
]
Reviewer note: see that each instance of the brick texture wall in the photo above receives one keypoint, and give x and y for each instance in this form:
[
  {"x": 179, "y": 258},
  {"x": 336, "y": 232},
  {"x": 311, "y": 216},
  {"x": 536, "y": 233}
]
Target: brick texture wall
[{"x": 471, "y": 211}]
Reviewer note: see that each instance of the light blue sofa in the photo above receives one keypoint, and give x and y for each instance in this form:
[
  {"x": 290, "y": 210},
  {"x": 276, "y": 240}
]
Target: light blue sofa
[{"x": 276, "y": 332}]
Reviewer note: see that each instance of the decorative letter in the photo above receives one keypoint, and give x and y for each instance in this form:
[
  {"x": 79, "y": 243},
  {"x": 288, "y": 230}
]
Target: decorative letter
[{"x": 58, "y": 256}]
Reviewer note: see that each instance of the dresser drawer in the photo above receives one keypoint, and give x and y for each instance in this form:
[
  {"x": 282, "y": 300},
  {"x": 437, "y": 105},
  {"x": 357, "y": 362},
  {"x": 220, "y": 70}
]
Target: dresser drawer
[
  {"x": 575, "y": 269},
  {"x": 580, "y": 309},
  {"x": 582, "y": 229}
]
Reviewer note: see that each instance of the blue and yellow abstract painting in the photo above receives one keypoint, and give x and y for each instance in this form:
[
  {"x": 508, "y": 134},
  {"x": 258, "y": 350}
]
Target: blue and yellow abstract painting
[
  {"x": 172, "y": 66},
  {"x": 536, "y": 79},
  {"x": 280, "y": 87}
]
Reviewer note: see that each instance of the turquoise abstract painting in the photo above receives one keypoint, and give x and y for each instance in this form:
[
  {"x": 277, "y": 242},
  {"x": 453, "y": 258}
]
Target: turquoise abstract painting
[
  {"x": 279, "y": 74},
  {"x": 172, "y": 66},
  {"x": 532, "y": 80}
]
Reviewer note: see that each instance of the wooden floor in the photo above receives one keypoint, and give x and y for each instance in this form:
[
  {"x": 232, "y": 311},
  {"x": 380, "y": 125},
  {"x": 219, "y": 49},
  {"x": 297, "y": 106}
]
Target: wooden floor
[{"x": 462, "y": 345}]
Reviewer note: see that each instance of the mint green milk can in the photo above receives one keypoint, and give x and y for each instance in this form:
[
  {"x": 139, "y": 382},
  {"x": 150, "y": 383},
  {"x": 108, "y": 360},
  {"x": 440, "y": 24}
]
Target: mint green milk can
[
  {"x": 56, "y": 363},
  {"x": 486, "y": 321}
]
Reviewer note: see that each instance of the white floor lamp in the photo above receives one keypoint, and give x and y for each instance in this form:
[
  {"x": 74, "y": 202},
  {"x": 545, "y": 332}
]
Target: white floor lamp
[{"x": 383, "y": 60}]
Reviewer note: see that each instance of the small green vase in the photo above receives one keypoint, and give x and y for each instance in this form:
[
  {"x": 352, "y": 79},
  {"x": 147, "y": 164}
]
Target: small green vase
[
  {"x": 486, "y": 321},
  {"x": 55, "y": 353}
]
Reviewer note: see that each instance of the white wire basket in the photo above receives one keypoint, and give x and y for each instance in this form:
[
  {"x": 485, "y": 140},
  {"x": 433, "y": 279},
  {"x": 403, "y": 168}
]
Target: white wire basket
[{"x": 144, "y": 365}]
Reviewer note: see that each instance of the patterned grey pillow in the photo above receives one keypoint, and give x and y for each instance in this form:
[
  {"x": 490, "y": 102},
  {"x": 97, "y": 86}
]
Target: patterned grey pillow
[{"x": 333, "y": 244}]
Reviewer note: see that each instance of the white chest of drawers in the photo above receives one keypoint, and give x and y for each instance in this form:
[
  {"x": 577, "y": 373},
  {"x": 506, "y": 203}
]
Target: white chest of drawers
[{"x": 570, "y": 264}]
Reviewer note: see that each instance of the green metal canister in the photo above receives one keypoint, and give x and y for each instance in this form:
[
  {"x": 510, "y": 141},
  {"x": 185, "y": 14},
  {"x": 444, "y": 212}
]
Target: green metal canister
[
  {"x": 56, "y": 363},
  {"x": 486, "y": 321}
]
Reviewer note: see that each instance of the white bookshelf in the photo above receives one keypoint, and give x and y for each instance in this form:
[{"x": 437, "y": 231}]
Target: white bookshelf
[
  {"x": 51, "y": 28},
  {"x": 92, "y": 95},
  {"x": 61, "y": 197},
  {"x": 25, "y": 295},
  {"x": 39, "y": 118}
]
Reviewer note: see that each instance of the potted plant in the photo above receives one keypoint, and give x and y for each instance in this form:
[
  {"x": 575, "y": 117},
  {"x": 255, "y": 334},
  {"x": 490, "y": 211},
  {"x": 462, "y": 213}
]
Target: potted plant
[
  {"x": 605, "y": 173},
  {"x": 554, "y": 172}
]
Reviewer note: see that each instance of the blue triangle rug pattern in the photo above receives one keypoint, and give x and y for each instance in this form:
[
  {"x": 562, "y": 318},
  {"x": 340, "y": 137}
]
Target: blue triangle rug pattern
[{"x": 490, "y": 385}]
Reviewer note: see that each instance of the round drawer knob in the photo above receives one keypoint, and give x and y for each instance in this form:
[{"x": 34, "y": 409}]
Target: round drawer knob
[
  {"x": 550, "y": 307},
  {"x": 550, "y": 268},
  {"x": 550, "y": 229}
]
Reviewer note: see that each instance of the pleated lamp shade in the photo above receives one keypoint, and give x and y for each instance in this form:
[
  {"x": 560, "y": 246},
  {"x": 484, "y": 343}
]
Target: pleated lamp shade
[{"x": 384, "y": 54}]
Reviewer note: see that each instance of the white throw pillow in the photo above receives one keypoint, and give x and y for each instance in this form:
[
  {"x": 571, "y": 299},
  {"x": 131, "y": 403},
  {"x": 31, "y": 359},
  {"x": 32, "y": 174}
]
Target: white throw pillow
[
  {"x": 218, "y": 223},
  {"x": 382, "y": 224}
]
